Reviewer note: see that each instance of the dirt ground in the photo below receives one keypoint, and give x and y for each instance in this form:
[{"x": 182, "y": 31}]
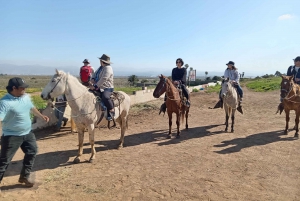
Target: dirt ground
[{"x": 256, "y": 162}]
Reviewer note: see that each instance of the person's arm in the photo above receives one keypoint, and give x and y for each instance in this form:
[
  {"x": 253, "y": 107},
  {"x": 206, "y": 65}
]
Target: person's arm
[
  {"x": 36, "y": 113},
  {"x": 226, "y": 74},
  {"x": 105, "y": 75},
  {"x": 3, "y": 110},
  {"x": 236, "y": 76},
  {"x": 183, "y": 80},
  {"x": 289, "y": 71},
  {"x": 173, "y": 74}
]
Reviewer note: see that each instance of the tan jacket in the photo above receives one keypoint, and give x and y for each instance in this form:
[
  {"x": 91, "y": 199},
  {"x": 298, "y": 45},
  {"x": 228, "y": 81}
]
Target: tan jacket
[{"x": 106, "y": 78}]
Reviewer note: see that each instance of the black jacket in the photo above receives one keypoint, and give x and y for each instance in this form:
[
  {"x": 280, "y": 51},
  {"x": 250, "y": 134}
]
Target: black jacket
[
  {"x": 179, "y": 74},
  {"x": 292, "y": 71}
]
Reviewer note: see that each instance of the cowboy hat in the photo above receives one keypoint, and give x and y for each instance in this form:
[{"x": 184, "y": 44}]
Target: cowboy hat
[
  {"x": 230, "y": 62},
  {"x": 86, "y": 61},
  {"x": 105, "y": 58}
]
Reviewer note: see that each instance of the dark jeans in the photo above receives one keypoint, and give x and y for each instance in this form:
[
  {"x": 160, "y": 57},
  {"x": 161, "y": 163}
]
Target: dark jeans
[
  {"x": 9, "y": 147},
  {"x": 239, "y": 90},
  {"x": 105, "y": 96},
  {"x": 59, "y": 113}
]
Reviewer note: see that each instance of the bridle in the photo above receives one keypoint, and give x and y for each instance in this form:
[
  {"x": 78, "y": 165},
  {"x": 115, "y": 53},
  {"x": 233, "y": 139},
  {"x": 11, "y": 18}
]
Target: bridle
[
  {"x": 55, "y": 87},
  {"x": 287, "y": 91}
]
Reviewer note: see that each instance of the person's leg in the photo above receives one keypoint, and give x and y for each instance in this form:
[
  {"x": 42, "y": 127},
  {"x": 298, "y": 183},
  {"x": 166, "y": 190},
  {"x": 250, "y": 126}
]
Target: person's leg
[
  {"x": 186, "y": 94},
  {"x": 9, "y": 146},
  {"x": 240, "y": 91},
  {"x": 60, "y": 115},
  {"x": 29, "y": 147},
  {"x": 108, "y": 103}
]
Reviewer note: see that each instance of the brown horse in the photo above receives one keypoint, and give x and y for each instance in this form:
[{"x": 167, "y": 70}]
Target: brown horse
[
  {"x": 290, "y": 93},
  {"x": 175, "y": 103}
]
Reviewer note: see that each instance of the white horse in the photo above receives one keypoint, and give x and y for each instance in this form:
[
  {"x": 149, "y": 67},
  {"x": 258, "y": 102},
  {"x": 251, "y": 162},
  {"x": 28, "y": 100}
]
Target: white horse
[
  {"x": 230, "y": 101},
  {"x": 86, "y": 112}
]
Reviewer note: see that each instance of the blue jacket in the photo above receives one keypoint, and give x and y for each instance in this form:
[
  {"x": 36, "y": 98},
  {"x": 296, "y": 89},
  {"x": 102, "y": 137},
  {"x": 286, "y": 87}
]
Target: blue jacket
[{"x": 291, "y": 71}]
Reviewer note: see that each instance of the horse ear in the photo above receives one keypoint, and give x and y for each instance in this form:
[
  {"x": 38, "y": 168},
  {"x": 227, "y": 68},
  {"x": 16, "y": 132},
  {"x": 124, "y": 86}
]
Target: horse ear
[
  {"x": 57, "y": 72},
  {"x": 227, "y": 79},
  {"x": 292, "y": 77}
]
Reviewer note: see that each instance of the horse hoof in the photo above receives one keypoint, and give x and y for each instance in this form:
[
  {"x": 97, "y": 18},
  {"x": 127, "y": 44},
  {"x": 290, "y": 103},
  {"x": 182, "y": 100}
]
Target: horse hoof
[
  {"x": 76, "y": 160},
  {"x": 120, "y": 146},
  {"x": 186, "y": 127},
  {"x": 169, "y": 137},
  {"x": 232, "y": 131},
  {"x": 285, "y": 132},
  {"x": 296, "y": 135},
  {"x": 177, "y": 136},
  {"x": 91, "y": 160}
]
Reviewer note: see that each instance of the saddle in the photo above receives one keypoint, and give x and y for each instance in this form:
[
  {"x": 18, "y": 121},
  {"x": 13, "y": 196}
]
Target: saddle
[{"x": 116, "y": 97}]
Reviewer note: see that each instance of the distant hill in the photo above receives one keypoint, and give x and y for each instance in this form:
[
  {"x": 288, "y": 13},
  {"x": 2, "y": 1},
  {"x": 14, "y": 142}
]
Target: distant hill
[{"x": 12, "y": 69}]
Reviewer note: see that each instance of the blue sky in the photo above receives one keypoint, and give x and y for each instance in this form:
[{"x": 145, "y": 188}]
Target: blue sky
[{"x": 259, "y": 36}]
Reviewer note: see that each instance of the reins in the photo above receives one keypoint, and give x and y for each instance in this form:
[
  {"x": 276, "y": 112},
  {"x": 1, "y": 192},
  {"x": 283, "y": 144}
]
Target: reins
[{"x": 288, "y": 92}]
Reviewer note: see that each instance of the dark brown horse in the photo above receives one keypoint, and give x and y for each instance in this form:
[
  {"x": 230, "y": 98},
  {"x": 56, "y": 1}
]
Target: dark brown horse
[
  {"x": 175, "y": 103},
  {"x": 290, "y": 93}
]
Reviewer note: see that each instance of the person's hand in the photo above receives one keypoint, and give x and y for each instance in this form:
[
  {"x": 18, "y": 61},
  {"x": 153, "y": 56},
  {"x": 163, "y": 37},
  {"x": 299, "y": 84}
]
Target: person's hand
[
  {"x": 45, "y": 118},
  {"x": 92, "y": 87},
  {"x": 175, "y": 82}
]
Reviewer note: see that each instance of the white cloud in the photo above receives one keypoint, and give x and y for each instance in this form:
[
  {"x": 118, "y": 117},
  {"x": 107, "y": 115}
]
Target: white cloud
[{"x": 285, "y": 17}]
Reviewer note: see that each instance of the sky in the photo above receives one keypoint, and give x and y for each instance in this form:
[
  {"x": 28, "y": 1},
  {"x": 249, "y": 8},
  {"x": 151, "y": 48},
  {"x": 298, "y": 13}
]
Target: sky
[{"x": 260, "y": 36}]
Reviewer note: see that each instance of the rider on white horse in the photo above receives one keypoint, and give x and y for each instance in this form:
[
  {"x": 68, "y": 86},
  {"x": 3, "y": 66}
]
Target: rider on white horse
[
  {"x": 233, "y": 75},
  {"x": 103, "y": 82}
]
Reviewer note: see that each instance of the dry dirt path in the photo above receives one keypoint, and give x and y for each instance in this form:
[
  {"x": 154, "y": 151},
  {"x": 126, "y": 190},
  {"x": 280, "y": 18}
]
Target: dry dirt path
[{"x": 256, "y": 162}]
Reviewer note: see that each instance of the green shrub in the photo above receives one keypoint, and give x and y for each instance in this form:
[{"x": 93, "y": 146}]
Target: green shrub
[
  {"x": 264, "y": 84},
  {"x": 195, "y": 90}
]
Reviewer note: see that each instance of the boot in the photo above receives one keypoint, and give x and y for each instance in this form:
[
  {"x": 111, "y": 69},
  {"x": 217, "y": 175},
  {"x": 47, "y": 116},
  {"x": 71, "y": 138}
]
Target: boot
[
  {"x": 26, "y": 182},
  {"x": 65, "y": 121},
  {"x": 188, "y": 103},
  {"x": 239, "y": 108},
  {"x": 280, "y": 108},
  {"x": 163, "y": 108}
]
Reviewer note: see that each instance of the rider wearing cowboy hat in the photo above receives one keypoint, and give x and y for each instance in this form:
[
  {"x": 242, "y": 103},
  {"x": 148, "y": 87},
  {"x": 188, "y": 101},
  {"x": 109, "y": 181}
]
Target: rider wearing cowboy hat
[
  {"x": 292, "y": 71},
  {"x": 233, "y": 75},
  {"x": 86, "y": 68},
  {"x": 103, "y": 81}
]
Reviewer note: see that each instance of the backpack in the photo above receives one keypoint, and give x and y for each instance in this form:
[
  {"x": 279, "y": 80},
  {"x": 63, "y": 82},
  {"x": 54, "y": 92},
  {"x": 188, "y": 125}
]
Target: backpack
[{"x": 85, "y": 73}]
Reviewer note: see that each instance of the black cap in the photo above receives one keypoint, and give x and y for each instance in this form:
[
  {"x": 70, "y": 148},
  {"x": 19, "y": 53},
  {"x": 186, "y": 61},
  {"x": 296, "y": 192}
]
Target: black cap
[
  {"x": 230, "y": 62},
  {"x": 297, "y": 59},
  {"x": 17, "y": 82}
]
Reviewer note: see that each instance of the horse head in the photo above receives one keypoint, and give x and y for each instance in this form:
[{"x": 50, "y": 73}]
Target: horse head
[
  {"x": 226, "y": 86},
  {"x": 56, "y": 86},
  {"x": 286, "y": 85},
  {"x": 160, "y": 87}
]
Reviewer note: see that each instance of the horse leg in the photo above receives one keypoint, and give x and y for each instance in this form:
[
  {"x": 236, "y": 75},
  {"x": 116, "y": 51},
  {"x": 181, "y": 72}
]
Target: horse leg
[
  {"x": 226, "y": 121},
  {"x": 297, "y": 124},
  {"x": 73, "y": 126},
  {"x": 80, "y": 144},
  {"x": 123, "y": 123},
  {"x": 287, "y": 119},
  {"x": 186, "y": 118},
  {"x": 178, "y": 125},
  {"x": 91, "y": 129},
  {"x": 170, "y": 124},
  {"x": 232, "y": 120}
]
